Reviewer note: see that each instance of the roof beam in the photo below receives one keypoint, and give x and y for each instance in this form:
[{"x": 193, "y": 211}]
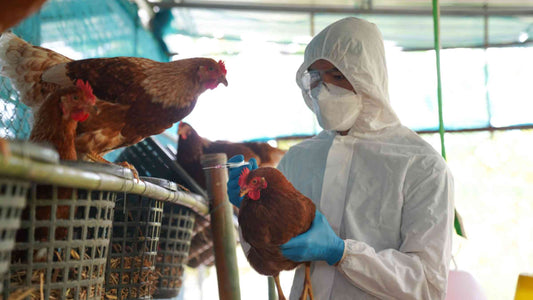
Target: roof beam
[
  {"x": 527, "y": 43},
  {"x": 444, "y": 10}
]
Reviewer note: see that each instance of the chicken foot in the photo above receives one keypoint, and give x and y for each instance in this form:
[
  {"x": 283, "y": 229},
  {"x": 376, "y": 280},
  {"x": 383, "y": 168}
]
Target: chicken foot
[
  {"x": 98, "y": 158},
  {"x": 308, "y": 289},
  {"x": 278, "y": 287}
]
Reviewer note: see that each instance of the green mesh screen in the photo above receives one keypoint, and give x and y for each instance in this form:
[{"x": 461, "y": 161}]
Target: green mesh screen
[{"x": 78, "y": 29}]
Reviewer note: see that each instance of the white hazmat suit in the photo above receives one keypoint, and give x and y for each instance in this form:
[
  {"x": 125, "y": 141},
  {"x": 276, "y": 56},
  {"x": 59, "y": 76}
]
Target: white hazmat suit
[{"x": 386, "y": 192}]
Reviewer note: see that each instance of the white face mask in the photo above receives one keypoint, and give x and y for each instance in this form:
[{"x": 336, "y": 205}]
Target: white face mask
[{"x": 336, "y": 108}]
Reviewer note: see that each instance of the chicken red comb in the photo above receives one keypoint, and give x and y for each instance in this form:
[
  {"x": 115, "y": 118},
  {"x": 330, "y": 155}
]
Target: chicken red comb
[
  {"x": 243, "y": 177},
  {"x": 222, "y": 67},
  {"x": 182, "y": 134},
  {"x": 87, "y": 90}
]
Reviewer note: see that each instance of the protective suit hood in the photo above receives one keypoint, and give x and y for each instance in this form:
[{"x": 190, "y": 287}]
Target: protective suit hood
[{"x": 355, "y": 47}]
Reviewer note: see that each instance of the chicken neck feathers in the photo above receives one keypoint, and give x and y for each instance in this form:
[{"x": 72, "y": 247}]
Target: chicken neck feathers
[
  {"x": 280, "y": 214},
  {"x": 51, "y": 127}
]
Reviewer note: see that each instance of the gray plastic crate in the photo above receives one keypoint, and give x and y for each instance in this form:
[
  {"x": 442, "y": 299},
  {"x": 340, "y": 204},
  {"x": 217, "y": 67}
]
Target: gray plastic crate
[
  {"x": 174, "y": 244},
  {"x": 130, "y": 272},
  {"x": 12, "y": 201},
  {"x": 62, "y": 243}
]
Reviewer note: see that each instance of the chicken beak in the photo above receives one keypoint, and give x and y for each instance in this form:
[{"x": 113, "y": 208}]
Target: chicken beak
[
  {"x": 243, "y": 192},
  {"x": 223, "y": 80}
]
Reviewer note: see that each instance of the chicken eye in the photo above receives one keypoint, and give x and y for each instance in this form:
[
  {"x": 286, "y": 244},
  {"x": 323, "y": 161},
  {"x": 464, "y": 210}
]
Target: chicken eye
[
  {"x": 76, "y": 98},
  {"x": 211, "y": 69},
  {"x": 254, "y": 181}
]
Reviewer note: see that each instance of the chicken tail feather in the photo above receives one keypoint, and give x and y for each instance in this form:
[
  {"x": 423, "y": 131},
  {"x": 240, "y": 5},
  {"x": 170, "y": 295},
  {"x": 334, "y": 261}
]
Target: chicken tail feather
[{"x": 24, "y": 64}]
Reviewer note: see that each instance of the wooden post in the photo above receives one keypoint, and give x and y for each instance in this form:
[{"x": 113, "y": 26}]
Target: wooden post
[{"x": 222, "y": 227}]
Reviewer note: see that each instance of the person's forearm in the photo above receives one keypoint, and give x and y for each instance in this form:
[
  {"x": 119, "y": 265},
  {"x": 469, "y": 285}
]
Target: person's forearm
[{"x": 391, "y": 274}]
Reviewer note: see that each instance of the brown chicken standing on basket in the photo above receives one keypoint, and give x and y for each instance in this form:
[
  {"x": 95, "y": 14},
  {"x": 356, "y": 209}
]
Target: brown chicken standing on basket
[
  {"x": 271, "y": 213},
  {"x": 136, "y": 97},
  {"x": 56, "y": 122},
  {"x": 191, "y": 146}
]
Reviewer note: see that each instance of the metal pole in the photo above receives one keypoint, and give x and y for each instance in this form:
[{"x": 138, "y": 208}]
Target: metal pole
[
  {"x": 222, "y": 227},
  {"x": 272, "y": 295},
  {"x": 297, "y": 8},
  {"x": 458, "y": 224},
  {"x": 486, "y": 66},
  {"x": 436, "y": 30}
]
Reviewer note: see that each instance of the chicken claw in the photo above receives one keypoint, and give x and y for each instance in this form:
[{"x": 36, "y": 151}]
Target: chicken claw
[
  {"x": 127, "y": 165},
  {"x": 278, "y": 287},
  {"x": 307, "y": 290},
  {"x": 98, "y": 158}
]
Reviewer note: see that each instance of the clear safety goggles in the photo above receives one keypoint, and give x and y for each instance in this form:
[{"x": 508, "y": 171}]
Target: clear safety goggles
[{"x": 311, "y": 79}]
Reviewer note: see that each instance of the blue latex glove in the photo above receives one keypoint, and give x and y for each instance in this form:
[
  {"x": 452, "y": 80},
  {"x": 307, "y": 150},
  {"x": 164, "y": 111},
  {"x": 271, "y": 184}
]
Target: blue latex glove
[
  {"x": 233, "y": 181},
  {"x": 318, "y": 243}
]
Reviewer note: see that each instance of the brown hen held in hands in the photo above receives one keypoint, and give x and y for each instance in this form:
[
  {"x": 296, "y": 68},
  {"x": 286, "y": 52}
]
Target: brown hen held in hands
[{"x": 271, "y": 213}]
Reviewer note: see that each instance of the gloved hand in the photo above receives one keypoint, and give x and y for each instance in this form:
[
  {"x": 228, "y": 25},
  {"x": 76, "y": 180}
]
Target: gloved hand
[
  {"x": 317, "y": 243},
  {"x": 233, "y": 181}
]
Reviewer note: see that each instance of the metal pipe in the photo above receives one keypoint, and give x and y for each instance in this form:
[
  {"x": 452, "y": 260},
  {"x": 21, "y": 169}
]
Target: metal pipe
[
  {"x": 48, "y": 173},
  {"x": 486, "y": 65},
  {"x": 488, "y": 128},
  {"x": 272, "y": 295},
  {"x": 288, "y": 8},
  {"x": 436, "y": 35},
  {"x": 527, "y": 43},
  {"x": 222, "y": 227}
]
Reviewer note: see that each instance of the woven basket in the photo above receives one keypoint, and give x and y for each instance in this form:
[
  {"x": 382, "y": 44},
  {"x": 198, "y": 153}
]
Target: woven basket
[
  {"x": 174, "y": 244},
  {"x": 12, "y": 201},
  {"x": 151, "y": 158},
  {"x": 62, "y": 244},
  {"x": 130, "y": 272}
]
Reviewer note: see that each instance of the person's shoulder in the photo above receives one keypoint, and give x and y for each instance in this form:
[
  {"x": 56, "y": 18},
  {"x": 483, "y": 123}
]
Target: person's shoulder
[
  {"x": 311, "y": 149},
  {"x": 407, "y": 138},
  {"x": 323, "y": 138},
  {"x": 417, "y": 148}
]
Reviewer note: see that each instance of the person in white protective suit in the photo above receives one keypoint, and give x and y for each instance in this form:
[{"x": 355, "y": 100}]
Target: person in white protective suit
[{"x": 384, "y": 196}]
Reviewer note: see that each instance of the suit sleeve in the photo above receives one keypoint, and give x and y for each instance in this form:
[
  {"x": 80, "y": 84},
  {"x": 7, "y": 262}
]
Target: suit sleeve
[{"x": 419, "y": 268}]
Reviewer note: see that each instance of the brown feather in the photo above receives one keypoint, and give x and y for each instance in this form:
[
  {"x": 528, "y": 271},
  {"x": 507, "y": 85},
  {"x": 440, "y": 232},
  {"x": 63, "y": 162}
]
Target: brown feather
[
  {"x": 191, "y": 146},
  {"x": 50, "y": 126}
]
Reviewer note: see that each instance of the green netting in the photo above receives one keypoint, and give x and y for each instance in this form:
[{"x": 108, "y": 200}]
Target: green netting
[
  {"x": 78, "y": 29},
  {"x": 410, "y": 32}
]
